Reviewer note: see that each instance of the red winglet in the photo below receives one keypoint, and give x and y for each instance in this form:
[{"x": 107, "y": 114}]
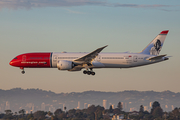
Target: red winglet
[{"x": 164, "y": 32}]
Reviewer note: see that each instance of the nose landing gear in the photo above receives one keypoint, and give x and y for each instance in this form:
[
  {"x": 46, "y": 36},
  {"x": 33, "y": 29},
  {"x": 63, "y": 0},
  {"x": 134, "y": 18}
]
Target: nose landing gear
[{"x": 22, "y": 70}]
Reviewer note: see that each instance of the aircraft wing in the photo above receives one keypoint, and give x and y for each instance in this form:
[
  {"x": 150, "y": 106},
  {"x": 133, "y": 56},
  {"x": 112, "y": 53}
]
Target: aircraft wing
[
  {"x": 156, "y": 57},
  {"x": 89, "y": 57}
]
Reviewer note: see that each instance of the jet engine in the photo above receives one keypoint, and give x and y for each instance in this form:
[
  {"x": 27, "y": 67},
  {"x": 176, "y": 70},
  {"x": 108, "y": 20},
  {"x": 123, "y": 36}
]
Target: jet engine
[{"x": 65, "y": 65}]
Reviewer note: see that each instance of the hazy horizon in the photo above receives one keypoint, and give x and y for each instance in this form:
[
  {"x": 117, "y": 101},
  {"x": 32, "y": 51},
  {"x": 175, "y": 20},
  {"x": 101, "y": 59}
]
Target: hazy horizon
[{"x": 86, "y": 90}]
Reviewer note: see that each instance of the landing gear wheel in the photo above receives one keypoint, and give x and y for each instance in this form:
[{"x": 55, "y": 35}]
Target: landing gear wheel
[
  {"x": 92, "y": 73},
  {"x": 23, "y": 72},
  {"x": 88, "y": 72},
  {"x": 85, "y": 72}
]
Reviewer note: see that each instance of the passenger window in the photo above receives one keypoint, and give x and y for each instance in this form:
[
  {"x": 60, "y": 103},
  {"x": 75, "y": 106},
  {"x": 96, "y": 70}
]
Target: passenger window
[{"x": 15, "y": 58}]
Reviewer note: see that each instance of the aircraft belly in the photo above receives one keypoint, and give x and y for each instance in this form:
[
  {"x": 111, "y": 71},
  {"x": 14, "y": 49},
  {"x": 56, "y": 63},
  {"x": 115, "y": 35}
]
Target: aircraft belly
[
  {"x": 97, "y": 64},
  {"x": 116, "y": 64}
]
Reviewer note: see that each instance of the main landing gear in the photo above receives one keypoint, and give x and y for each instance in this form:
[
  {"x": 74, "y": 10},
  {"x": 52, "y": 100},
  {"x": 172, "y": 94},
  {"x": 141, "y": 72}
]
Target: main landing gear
[
  {"x": 22, "y": 70},
  {"x": 89, "y": 72}
]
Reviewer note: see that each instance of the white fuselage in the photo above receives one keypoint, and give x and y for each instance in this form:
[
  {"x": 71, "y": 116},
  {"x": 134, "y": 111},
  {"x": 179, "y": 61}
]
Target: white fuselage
[{"x": 108, "y": 60}]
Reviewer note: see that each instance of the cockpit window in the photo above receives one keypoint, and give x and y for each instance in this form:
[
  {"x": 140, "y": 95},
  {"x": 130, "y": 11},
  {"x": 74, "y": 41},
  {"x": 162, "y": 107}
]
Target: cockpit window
[{"x": 15, "y": 58}]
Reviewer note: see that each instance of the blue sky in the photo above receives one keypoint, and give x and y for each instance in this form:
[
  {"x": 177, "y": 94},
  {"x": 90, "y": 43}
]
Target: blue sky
[{"x": 83, "y": 26}]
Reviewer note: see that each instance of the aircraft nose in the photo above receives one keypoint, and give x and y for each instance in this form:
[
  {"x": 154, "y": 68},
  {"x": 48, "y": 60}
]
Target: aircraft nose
[
  {"x": 11, "y": 63},
  {"x": 14, "y": 62}
]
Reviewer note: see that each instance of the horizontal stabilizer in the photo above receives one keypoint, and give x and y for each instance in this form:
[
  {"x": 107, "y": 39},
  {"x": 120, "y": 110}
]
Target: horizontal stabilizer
[{"x": 156, "y": 57}]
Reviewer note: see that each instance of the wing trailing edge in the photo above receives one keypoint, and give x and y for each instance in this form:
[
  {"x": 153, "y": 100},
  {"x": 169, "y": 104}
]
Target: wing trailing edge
[{"x": 89, "y": 57}]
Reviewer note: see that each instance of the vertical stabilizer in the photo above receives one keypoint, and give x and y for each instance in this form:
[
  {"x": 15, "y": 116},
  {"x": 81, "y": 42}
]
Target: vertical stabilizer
[{"x": 155, "y": 46}]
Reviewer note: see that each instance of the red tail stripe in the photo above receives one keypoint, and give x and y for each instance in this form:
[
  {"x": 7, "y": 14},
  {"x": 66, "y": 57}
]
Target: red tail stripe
[{"x": 164, "y": 32}]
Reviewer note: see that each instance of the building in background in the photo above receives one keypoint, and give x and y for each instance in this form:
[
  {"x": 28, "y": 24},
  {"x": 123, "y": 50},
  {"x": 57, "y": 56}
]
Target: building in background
[
  {"x": 105, "y": 104},
  {"x": 150, "y": 104},
  {"x": 85, "y": 105},
  {"x": 78, "y": 107},
  {"x": 43, "y": 105},
  {"x": 52, "y": 108},
  {"x": 89, "y": 105},
  {"x": 172, "y": 107},
  {"x": 145, "y": 108},
  {"x": 7, "y": 106}
]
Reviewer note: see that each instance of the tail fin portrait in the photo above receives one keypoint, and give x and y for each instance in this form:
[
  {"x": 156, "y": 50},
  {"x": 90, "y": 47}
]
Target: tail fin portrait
[{"x": 155, "y": 46}]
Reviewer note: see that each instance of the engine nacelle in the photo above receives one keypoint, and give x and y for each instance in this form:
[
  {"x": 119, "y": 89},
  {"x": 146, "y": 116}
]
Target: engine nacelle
[{"x": 65, "y": 65}]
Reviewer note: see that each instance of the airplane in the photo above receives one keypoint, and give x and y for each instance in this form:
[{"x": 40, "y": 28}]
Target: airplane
[{"x": 96, "y": 59}]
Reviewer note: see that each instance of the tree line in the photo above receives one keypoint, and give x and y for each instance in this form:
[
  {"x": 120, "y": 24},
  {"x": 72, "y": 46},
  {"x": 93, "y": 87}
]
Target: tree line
[{"x": 94, "y": 113}]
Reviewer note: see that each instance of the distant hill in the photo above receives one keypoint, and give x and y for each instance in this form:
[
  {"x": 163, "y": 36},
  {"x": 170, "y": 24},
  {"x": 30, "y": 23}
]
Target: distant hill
[{"x": 37, "y": 99}]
